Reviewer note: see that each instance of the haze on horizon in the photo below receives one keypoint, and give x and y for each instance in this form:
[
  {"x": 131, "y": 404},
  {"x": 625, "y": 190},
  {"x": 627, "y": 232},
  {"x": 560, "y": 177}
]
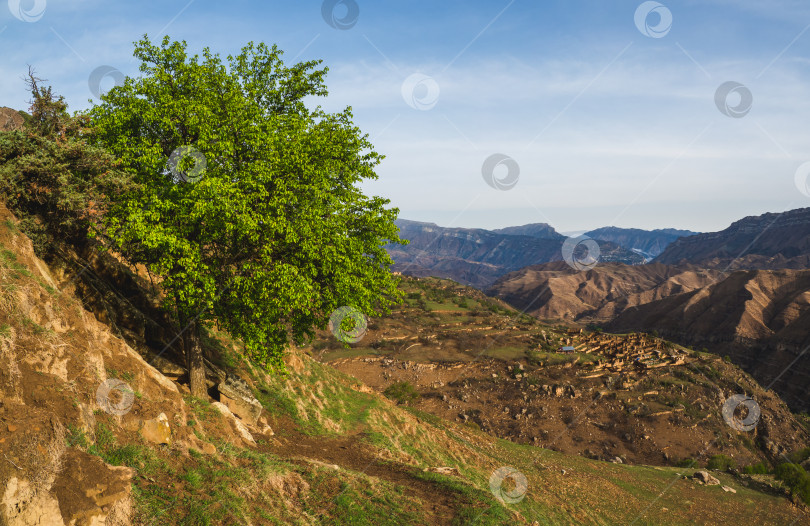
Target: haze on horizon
[{"x": 611, "y": 119}]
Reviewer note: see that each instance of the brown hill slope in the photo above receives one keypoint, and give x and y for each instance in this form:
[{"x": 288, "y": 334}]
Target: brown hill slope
[
  {"x": 768, "y": 241},
  {"x": 555, "y": 291},
  {"x": 759, "y": 318}
]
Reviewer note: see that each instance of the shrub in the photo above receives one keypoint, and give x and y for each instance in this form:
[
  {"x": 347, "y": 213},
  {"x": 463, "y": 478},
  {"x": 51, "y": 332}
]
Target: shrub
[
  {"x": 401, "y": 392},
  {"x": 795, "y": 478},
  {"x": 756, "y": 469},
  {"x": 686, "y": 463},
  {"x": 721, "y": 463},
  {"x": 800, "y": 456}
]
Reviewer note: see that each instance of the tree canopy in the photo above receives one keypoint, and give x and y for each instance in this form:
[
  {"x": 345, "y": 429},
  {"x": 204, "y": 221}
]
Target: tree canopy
[{"x": 247, "y": 206}]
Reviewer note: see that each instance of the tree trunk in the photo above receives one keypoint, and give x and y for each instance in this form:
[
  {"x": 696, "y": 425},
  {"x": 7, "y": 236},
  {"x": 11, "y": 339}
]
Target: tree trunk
[{"x": 194, "y": 361}]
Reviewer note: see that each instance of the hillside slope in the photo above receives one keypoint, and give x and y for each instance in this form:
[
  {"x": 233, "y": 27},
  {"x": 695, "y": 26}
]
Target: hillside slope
[
  {"x": 474, "y": 360},
  {"x": 334, "y": 452},
  {"x": 555, "y": 291},
  {"x": 759, "y": 318}
]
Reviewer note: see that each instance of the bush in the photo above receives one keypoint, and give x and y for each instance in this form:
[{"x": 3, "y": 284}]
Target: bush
[
  {"x": 686, "y": 463},
  {"x": 401, "y": 392},
  {"x": 800, "y": 456},
  {"x": 795, "y": 478},
  {"x": 721, "y": 463},
  {"x": 756, "y": 469}
]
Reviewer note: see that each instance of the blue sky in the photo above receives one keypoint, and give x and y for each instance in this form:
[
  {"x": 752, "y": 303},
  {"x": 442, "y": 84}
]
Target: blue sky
[{"x": 607, "y": 124}]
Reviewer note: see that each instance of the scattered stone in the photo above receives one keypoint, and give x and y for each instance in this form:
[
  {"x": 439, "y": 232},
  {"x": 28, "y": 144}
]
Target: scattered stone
[{"x": 729, "y": 490}]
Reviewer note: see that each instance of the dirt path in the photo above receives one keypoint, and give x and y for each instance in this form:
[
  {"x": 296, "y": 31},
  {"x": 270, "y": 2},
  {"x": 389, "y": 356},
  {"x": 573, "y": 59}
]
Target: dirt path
[{"x": 350, "y": 452}]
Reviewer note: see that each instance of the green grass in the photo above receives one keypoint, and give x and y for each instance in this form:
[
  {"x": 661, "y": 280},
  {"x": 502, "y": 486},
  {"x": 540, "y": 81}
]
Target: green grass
[
  {"x": 401, "y": 392},
  {"x": 508, "y": 352},
  {"x": 474, "y": 505},
  {"x": 9, "y": 260},
  {"x": 11, "y": 226},
  {"x": 202, "y": 409},
  {"x": 363, "y": 507}
]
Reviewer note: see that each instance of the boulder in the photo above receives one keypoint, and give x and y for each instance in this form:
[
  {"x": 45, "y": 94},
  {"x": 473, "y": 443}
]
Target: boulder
[
  {"x": 704, "y": 477},
  {"x": 166, "y": 367},
  {"x": 157, "y": 430},
  {"x": 241, "y": 429},
  {"x": 236, "y": 395}
]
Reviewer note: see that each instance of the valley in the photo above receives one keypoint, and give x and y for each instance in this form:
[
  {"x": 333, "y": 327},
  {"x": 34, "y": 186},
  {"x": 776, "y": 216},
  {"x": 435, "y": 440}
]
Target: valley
[{"x": 629, "y": 398}]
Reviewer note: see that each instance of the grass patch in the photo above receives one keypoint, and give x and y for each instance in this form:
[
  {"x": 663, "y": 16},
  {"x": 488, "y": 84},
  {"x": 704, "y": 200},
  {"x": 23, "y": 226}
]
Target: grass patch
[{"x": 402, "y": 392}]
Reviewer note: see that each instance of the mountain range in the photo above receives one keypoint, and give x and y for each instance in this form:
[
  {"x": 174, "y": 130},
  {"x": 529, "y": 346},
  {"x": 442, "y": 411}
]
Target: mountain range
[
  {"x": 648, "y": 243},
  {"x": 478, "y": 257},
  {"x": 767, "y": 241}
]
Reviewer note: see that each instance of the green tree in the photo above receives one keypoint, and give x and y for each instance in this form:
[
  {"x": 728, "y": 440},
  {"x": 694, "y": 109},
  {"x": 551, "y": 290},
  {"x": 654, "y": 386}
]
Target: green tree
[
  {"x": 56, "y": 182},
  {"x": 274, "y": 233}
]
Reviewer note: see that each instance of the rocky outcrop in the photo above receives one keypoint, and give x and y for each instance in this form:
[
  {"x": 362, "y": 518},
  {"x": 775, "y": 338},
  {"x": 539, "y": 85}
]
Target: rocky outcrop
[
  {"x": 64, "y": 374},
  {"x": 236, "y": 395},
  {"x": 42, "y": 482},
  {"x": 157, "y": 430},
  {"x": 237, "y": 424},
  {"x": 10, "y": 120}
]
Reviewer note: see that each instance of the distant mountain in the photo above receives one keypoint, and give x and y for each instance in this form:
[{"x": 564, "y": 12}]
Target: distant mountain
[
  {"x": 478, "y": 257},
  {"x": 760, "y": 318},
  {"x": 538, "y": 230},
  {"x": 768, "y": 241},
  {"x": 555, "y": 291},
  {"x": 648, "y": 243}
]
